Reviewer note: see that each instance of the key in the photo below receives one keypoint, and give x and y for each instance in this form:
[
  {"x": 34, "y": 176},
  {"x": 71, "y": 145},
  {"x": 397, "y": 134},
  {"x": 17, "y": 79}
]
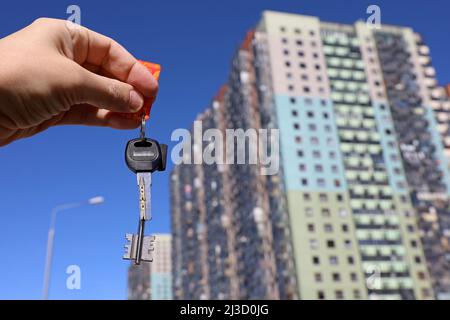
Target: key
[{"x": 143, "y": 156}]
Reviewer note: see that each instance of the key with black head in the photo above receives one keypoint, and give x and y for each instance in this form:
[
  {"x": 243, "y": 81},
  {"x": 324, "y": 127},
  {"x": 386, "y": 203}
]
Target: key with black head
[{"x": 143, "y": 156}]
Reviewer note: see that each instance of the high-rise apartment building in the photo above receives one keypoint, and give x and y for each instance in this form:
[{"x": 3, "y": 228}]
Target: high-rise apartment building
[
  {"x": 360, "y": 207},
  {"x": 153, "y": 281}
]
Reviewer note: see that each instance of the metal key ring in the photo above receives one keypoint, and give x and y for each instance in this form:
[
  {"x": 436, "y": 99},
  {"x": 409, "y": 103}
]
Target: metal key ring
[{"x": 143, "y": 127}]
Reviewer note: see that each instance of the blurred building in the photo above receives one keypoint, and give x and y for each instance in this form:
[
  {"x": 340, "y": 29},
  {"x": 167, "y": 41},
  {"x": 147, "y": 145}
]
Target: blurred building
[
  {"x": 153, "y": 281},
  {"x": 359, "y": 208}
]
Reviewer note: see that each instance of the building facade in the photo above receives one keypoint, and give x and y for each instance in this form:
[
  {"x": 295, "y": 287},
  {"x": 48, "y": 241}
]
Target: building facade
[{"x": 359, "y": 208}]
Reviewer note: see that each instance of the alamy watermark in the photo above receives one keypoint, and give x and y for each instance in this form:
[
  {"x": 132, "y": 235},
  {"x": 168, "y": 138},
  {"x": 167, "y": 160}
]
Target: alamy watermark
[
  {"x": 236, "y": 146},
  {"x": 374, "y": 20},
  {"x": 74, "y": 18},
  {"x": 73, "y": 281}
]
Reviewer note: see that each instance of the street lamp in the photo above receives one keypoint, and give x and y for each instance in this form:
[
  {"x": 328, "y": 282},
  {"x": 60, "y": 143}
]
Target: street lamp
[{"x": 51, "y": 236}]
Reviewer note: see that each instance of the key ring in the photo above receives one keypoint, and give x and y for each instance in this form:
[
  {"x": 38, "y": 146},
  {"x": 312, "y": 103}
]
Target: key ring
[{"x": 143, "y": 127}]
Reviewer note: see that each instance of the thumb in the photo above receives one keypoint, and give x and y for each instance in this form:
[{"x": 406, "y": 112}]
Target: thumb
[{"x": 106, "y": 93}]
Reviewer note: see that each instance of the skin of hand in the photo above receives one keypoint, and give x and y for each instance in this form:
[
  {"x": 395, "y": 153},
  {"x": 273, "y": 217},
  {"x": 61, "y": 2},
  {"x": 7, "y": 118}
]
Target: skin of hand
[{"x": 54, "y": 72}]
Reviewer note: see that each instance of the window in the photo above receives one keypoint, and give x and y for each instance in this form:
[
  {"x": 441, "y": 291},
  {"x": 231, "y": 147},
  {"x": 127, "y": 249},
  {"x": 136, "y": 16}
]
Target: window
[
  {"x": 348, "y": 244},
  {"x": 414, "y": 243},
  {"x": 299, "y": 42},
  {"x": 333, "y": 260},
  {"x": 298, "y": 139},
  {"x": 330, "y": 244},
  {"x": 300, "y": 53},
  {"x": 332, "y": 155},
  {"x": 417, "y": 259},
  {"x": 426, "y": 293},
  {"x": 304, "y": 77},
  {"x": 302, "y": 167},
  {"x": 282, "y": 29},
  {"x": 293, "y": 100},
  {"x": 323, "y": 197},
  {"x": 312, "y": 127},
  {"x": 286, "y": 52},
  {"x": 297, "y": 30},
  {"x": 334, "y": 169},
  {"x": 350, "y": 260},
  {"x": 296, "y": 126},
  {"x": 343, "y": 212},
  {"x": 299, "y": 153},
  {"x": 310, "y": 114},
  {"x": 316, "y": 154},
  {"x": 321, "y": 182},
  {"x": 326, "y": 212},
  {"x": 339, "y": 197},
  {"x": 345, "y": 227},
  {"x": 339, "y": 294},
  {"x": 318, "y": 277},
  {"x": 287, "y": 64},
  {"x": 304, "y": 182},
  {"x": 336, "y": 277},
  {"x": 284, "y": 40},
  {"x": 330, "y": 142},
  {"x": 313, "y": 244},
  {"x": 318, "y": 168},
  {"x": 320, "y": 295},
  {"x": 328, "y": 227},
  {"x": 294, "y": 113},
  {"x": 302, "y": 65},
  {"x": 314, "y": 140},
  {"x": 356, "y": 294},
  {"x": 306, "y": 197},
  {"x": 353, "y": 276},
  {"x": 288, "y": 75},
  {"x": 309, "y": 212},
  {"x": 290, "y": 87},
  {"x": 316, "y": 260}
]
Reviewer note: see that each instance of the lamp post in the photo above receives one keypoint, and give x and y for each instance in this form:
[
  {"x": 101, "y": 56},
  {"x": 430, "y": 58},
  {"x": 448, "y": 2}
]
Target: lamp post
[{"x": 51, "y": 236}]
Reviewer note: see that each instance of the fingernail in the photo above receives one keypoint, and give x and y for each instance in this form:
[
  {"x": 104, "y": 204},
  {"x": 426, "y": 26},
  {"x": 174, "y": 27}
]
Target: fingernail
[{"x": 136, "y": 100}]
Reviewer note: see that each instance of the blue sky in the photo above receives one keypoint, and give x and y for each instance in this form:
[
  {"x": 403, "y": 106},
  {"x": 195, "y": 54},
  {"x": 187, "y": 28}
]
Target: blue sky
[{"x": 194, "y": 41}]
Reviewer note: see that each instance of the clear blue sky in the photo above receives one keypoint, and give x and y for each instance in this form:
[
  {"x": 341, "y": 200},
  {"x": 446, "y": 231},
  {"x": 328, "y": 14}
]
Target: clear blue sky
[{"x": 194, "y": 41}]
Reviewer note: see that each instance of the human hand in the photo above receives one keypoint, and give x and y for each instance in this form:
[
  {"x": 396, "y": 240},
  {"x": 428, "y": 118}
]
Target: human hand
[{"x": 54, "y": 72}]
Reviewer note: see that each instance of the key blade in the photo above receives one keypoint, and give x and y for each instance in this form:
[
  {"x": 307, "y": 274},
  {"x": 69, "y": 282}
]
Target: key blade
[{"x": 144, "y": 181}]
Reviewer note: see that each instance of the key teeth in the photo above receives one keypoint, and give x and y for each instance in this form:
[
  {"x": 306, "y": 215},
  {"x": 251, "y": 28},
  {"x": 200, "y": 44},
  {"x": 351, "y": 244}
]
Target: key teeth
[{"x": 128, "y": 255}]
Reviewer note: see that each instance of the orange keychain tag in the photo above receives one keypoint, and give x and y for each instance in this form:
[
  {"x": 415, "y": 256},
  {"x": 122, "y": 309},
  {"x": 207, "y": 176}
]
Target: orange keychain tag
[{"x": 155, "y": 70}]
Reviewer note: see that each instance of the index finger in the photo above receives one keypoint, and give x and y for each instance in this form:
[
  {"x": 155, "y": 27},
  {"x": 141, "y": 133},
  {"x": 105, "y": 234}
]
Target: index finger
[{"x": 110, "y": 58}]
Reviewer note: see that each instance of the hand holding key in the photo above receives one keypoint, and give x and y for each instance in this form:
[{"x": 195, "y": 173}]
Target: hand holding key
[{"x": 54, "y": 72}]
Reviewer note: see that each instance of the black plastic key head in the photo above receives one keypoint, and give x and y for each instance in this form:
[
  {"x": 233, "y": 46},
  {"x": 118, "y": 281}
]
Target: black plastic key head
[{"x": 145, "y": 155}]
